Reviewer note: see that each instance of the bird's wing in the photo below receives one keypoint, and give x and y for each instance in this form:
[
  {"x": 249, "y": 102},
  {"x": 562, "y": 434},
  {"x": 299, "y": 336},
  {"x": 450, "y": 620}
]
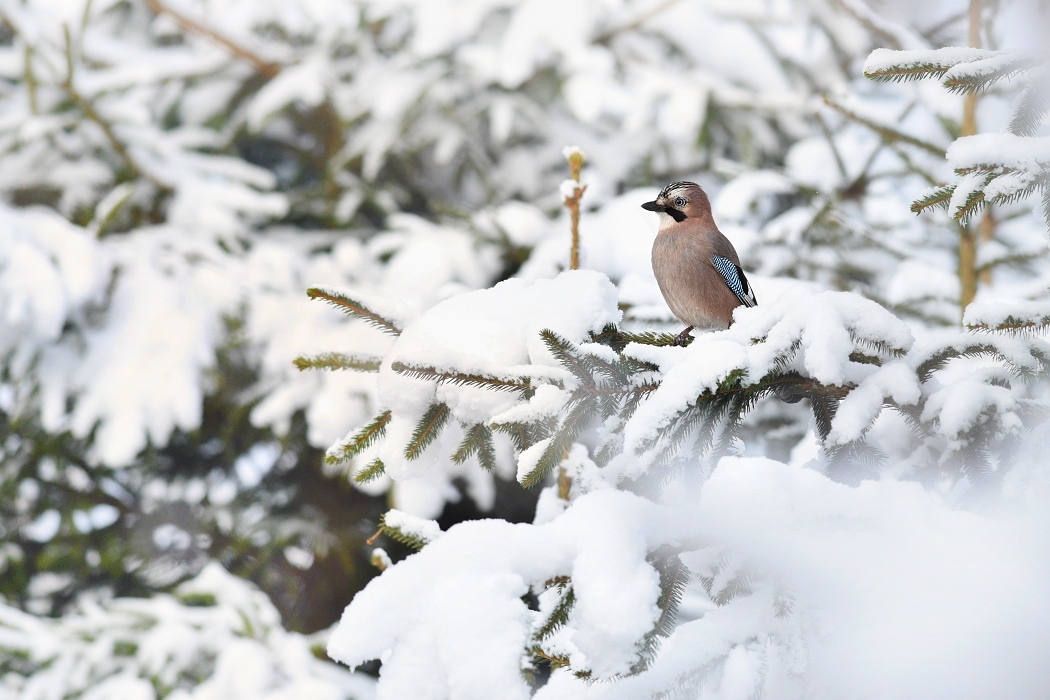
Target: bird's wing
[{"x": 735, "y": 280}]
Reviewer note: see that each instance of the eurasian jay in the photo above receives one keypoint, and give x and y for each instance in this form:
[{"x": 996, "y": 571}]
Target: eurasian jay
[{"x": 696, "y": 267}]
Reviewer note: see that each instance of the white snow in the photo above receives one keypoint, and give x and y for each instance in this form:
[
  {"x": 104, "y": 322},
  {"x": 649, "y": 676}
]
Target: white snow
[
  {"x": 410, "y": 153},
  {"x": 884, "y": 60}
]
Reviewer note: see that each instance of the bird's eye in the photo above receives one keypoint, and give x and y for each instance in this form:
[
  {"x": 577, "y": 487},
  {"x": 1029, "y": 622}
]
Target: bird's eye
[{"x": 679, "y": 202}]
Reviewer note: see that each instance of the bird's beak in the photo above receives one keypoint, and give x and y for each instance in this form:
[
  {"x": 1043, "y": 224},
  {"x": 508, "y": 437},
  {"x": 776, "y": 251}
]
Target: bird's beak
[{"x": 653, "y": 206}]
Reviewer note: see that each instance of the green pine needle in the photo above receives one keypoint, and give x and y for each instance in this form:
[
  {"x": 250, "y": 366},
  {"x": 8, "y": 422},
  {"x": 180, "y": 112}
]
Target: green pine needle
[
  {"x": 649, "y": 338},
  {"x": 560, "y": 442},
  {"x": 521, "y": 385},
  {"x": 338, "y": 360},
  {"x": 522, "y": 435},
  {"x": 674, "y": 576},
  {"x": 354, "y": 308},
  {"x": 1014, "y": 326},
  {"x": 567, "y": 355},
  {"x": 975, "y": 202},
  {"x": 559, "y": 616},
  {"x": 478, "y": 440},
  {"x": 427, "y": 430},
  {"x": 361, "y": 440},
  {"x": 373, "y": 471},
  {"x": 909, "y": 71},
  {"x": 406, "y": 538},
  {"x": 962, "y": 83},
  {"x": 940, "y": 197}
]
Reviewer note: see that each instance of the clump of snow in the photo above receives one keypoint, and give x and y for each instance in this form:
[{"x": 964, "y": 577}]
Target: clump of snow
[
  {"x": 450, "y": 622},
  {"x": 886, "y": 60},
  {"x": 997, "y": 314},
  {"x": 1026, "y": 153},
  {"x": 851, "y": 590},
  {"x": 493, "y": 332},
  {"x": 412, "y": 526},
  {"x": 569, "y": 188},
  {"x": 569, "y": 152}
]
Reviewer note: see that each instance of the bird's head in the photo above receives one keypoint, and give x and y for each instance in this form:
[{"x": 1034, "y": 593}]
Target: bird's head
[{"x": 680, "y": 201}]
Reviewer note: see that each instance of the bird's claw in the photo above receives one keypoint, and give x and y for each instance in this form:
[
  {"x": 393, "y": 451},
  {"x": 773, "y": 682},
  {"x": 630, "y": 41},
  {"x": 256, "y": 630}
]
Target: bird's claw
[{"x": 683, "y": 338}]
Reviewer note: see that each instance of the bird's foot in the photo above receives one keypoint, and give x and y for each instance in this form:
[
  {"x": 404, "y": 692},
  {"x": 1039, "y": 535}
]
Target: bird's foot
[{"x": 683, "y": 338}]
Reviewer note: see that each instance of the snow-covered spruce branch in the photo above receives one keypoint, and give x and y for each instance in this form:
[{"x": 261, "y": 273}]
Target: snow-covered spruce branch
[
  {"x": 643, "y": 410},
  {"x": 384, "y": 320},
  {"x": 991, "y": 168},
  {"x": 338, "y": 360},
  {"x": 614, "y": 413}
]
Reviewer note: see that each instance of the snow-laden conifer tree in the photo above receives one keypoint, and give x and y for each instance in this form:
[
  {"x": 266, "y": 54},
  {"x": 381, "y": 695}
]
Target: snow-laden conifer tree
[
  {"x": 177, "y": 172},
  {"x": 663, "y": 560}
]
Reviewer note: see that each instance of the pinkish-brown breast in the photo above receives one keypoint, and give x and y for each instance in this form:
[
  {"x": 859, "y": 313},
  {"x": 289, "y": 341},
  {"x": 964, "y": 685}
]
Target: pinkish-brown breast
[{"x": 692, "y": 287}]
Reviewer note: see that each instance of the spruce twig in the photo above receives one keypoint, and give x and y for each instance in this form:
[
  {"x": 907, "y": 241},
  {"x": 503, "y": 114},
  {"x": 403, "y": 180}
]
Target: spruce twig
[
  {"x": 338, "y": 360},
  {"x": 354, "y": 308},
  {"x": 478, "y": 440},
  {"x": 265, "y": 68},
  {"x": 427, "y": 429},
  {"x": 576, "y": 160},
  {"x": 409, "y": 539},
  {"x": 362, "y": 439},
  {"x": 371, "y": 472},
  {"x": 519, "y": 384}
]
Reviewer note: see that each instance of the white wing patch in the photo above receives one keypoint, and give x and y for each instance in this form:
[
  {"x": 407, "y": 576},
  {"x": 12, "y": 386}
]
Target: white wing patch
[{"x": 735, "y": 280}]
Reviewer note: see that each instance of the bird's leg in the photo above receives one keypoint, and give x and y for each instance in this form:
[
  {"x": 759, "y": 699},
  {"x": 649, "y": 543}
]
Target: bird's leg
[{"x": 683, "y": 337}]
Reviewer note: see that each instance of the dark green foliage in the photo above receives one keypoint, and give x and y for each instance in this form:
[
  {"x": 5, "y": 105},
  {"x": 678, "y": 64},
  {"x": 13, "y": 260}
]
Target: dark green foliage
[
  {"x": 198, "y": 600},
  {"x": 578, "y": 413},
  {"x": 371, "y": 472},
  {"x": 564, "y": 353},
  {"x": 478, "y": 441},
  {"x": 559, "y": 615},
  {"x": 523, "y": 435},
  {"x": 910, "y": 71},
  {"x": 726, "y": 580},
  {"x": 605, "y": 389},
  {"x": 427, "y": 430}
]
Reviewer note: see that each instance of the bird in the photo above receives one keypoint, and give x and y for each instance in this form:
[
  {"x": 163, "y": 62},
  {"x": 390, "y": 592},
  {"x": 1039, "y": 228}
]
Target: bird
[{"x": 696, "y": 266}]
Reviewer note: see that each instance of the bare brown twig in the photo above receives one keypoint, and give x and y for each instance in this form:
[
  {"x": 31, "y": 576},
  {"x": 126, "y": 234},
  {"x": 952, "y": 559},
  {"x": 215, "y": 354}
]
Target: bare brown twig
[
  {"x": 576, "y": 161},
  {"x": 265, "y": 68}
]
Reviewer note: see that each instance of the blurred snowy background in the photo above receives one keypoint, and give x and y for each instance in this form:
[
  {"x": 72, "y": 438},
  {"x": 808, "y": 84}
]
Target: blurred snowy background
[{"x": 174, "y": 174}]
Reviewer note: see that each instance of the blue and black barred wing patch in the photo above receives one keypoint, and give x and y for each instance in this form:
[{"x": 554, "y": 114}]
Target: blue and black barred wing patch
[{"x": 735, "y": 280}]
